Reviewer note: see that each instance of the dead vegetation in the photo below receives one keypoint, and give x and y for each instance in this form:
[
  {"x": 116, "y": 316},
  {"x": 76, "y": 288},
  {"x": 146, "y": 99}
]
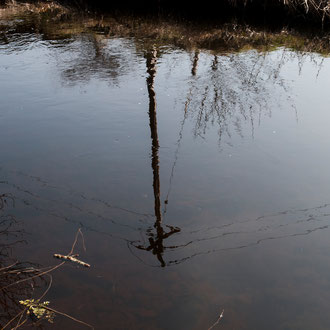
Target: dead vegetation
[
  {"x": 320, "y": 8},
  {"x": 14, "y": 8},
  {"x": 224, "y": 39},
  {"x": 19, "y": 281},
  {"x": 53, "y": 22}
]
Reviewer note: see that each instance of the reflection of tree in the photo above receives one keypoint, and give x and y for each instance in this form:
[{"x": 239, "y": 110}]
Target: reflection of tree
[
  {"x": 156, "y": 241},
  {"x": 258, "y": 80},
  {"x": 195, "y": 63},
  {"x": 237, "y": 88},
  {"x": 97, "y": 56},
  {"x": 91, "y": 54}
]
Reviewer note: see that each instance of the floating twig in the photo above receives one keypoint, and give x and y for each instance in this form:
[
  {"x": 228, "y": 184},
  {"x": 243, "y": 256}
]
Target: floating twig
[{"x": 72, "y": 258}]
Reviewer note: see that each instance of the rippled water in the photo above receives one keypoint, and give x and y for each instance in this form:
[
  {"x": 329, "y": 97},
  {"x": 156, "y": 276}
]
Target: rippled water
[{"x": 200, "y": 180}]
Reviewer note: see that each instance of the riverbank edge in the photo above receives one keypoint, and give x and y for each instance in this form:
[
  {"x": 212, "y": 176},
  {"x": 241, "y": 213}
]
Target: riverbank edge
[{"x": 164, "y": 31}]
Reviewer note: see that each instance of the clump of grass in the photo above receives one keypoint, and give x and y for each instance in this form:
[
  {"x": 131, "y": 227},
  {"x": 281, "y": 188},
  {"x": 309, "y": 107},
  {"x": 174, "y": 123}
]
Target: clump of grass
[
  {"x": 320, "y": 8},
  {"x": 221, "y": 39},
  {"x": 13, "y": 7}
]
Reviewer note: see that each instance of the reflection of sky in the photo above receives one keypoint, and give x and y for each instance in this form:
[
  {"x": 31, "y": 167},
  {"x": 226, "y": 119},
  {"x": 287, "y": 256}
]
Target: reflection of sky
[{"x": 78, "y": 118}]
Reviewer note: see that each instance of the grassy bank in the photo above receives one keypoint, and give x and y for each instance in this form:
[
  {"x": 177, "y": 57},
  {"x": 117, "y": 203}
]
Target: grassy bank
[{"x": 54, "y": 21}]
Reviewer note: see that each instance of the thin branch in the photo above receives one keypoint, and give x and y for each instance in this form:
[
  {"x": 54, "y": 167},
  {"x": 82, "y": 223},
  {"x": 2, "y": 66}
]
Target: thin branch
[
  {"x": 35, "y": 276},
  {"x": 217, "y": 321},
  {"x": 8, "y": 267},
  {"x": 76, "y": 239},
  {"x": 19, "y": 322},
  {"x": 48, "y": 288},
  {"x": 68, "y": 316},
  {"x": 14, "y": 318}
]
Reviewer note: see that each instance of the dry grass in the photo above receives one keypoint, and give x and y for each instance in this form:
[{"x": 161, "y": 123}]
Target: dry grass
[
  {"x": 57, "y": 22},
  {"x": 320, "y": 8},
  {"x": 223, "y": 39},
  {"x": 13, "y": 8}
]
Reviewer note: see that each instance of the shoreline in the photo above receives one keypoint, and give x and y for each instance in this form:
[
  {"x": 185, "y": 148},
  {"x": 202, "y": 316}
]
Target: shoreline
[{"x": 163, "y": 31}]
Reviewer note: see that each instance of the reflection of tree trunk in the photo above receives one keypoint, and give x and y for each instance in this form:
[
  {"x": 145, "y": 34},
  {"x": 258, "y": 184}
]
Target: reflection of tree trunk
[
  {"x": 195, "y": 63},
  {"x": 155, "y": 241},
  {"x": 215, "y": 63},
  {"x": 151, "y": 69},
  {"x": 155, "y": 245}
]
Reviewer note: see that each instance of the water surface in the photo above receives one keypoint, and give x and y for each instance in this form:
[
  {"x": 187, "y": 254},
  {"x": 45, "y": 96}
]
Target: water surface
[{"x": 200, "y": 180}]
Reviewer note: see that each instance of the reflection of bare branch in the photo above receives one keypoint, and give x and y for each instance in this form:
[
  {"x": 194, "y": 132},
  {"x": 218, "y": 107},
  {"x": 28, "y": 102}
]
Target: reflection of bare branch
[
  {"x": 94, "y": 58},
  {"x": 243, "y": 246},
  {"x": 178, "y": 143},
  {"x": 240, "y": 88},
  {"x": 4, "y": 198},
  {"x": 74, "y": 206},
  {"x": 80, "y": 194}
]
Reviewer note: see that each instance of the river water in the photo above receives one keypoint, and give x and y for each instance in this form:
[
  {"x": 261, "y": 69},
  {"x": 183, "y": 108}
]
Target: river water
[{"x": 200, "y": 181}]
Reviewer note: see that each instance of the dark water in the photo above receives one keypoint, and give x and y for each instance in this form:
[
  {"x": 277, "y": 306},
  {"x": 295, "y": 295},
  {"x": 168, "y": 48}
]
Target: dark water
[{"x": 200, "y": 180}]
